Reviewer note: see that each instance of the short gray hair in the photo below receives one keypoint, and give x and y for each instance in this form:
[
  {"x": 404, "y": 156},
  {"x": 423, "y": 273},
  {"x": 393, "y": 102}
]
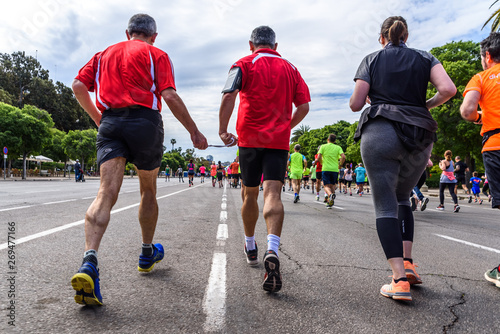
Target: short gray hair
[
  {"x": 142, "y": 24},
  {"x": 263, "y": 35}
]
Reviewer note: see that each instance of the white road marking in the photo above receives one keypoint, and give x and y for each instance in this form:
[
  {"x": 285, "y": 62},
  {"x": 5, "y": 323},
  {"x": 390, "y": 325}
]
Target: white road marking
[
  {"x": 64, "y": 201},
  {"x": 214, "y": 301},
  {"x": 222, "y": 232},
  {"x": 64, "y": 227},
  {"x": 469, "y": 243},
  {"x": 16, "y": 208},
  {"x": 90, "y": 197}
]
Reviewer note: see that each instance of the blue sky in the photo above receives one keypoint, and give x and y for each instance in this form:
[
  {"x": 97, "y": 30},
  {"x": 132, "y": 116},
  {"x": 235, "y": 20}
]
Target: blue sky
[{"x": 325, "y": 40}]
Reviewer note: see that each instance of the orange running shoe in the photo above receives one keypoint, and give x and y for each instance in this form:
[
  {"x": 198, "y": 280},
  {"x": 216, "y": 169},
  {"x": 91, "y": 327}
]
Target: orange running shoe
[
  {"x": 411, "y": 273},
  {"x": 399, "y": 291}
]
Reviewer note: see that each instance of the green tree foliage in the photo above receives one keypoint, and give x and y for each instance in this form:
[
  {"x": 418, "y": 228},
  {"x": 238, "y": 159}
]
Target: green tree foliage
[
  {"x": 495, "y": 26},
  {"x": 81, "y": 144},
  {"x": 310, "y": 140},
  {"x": 353, "y": 152},
  {"x": 24, "y": 131},
  {"x": 461, "y": 61},
  {"x": 302, "y": 129},
  {"x": 5, "y": 97},
  {"x": 24, "y": 81},
  {"x": 55, "y": 149},
  {"x": 173, "y": 159}
]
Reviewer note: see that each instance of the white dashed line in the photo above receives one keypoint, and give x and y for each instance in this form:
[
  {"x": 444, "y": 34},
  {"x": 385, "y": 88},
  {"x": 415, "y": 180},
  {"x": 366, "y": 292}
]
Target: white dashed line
[
  {"x": 66, "y": 200},
  {"x": 214, "y": 301}
]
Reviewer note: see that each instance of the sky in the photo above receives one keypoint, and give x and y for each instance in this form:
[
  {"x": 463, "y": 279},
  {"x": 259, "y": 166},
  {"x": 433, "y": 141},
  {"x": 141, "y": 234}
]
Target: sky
[{"x": 326, "y": 40}]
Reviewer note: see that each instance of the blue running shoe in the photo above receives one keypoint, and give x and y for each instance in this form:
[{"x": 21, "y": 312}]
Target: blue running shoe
[
  {"x": 86, "y": 284},
  {"x": 147, "y": 263}
]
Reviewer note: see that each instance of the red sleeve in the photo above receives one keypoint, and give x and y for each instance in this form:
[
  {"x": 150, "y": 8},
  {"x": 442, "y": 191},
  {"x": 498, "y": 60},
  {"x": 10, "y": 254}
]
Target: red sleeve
[
  {"x": 302, "y": 93},
  {"x": 164, "y": 73},
  {"x": 87, "y": 73}
]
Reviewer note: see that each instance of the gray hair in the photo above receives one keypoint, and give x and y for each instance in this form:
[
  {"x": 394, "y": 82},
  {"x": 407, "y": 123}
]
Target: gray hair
[
  {"x": 142, "y": 24},
  {"x": 263, "y": 35}
]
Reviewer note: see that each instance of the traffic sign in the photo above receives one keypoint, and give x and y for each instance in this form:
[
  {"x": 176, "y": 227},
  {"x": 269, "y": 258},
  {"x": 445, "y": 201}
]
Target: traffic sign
[{"x": 5, "y": 150}]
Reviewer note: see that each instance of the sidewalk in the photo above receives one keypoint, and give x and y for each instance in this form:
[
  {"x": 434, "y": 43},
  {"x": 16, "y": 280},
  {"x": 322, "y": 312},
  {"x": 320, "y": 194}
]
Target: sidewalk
[{"x": 46, "y": 178}]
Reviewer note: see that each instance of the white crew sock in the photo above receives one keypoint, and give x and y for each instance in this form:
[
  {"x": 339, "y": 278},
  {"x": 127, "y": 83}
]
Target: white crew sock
[
  {"x": 273, "y": 243},
  {"x": 250, "y": 243}
]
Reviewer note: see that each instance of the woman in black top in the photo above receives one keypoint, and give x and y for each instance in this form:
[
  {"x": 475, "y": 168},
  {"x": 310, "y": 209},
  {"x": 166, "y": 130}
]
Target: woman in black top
[
  {"x": 396, "y": 133},
  {"x": 220, "y": 174}
]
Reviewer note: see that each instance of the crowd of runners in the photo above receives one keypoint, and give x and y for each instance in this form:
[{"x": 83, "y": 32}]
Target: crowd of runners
[{"x": 396, "y": 133}]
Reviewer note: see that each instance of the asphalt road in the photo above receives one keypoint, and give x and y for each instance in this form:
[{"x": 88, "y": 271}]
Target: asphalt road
[{"x": 332, "y": 266}]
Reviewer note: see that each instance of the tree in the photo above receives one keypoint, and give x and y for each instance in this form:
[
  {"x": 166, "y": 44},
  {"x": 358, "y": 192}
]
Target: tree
[
  {"x": 173, "y": 141},
  {"x": 55, "y": 149},
  {"x": 495, "y": 26},
  {"x": 461, "y": 61},
  {"x": 24, "y": 81},
  {"x": 353, "y": 151},
  {"x": 81, "y": 144},
  {"x": 26, "y": 131},
  {"x": 302, "y": 129}
]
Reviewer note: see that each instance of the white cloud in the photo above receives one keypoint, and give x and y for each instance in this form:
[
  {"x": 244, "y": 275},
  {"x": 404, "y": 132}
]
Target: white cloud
[{"x": 326, "y": 40}]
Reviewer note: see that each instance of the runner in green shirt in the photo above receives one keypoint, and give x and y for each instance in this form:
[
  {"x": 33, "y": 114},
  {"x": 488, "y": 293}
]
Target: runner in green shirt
[
  {"x": 167, "y": 174},
  {"x": 312, "y": 170},
  {"x": 296, "y": 162},
  {"x": 329, "y": 155},
  {"x": 305, "y": 176}
]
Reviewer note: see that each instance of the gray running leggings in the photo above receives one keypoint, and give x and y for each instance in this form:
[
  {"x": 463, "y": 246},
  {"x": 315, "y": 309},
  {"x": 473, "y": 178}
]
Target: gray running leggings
[{"x": 393, "y": 172}]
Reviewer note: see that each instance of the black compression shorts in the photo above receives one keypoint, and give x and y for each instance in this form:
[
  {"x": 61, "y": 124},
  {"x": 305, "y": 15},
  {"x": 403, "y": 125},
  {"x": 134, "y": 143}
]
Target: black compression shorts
[
  {"x": 135, "y": 134},
  {"x": 257, "y": 161}
]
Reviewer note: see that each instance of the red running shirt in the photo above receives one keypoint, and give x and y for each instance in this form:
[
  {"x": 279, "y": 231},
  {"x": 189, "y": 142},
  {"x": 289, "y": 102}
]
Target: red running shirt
[
  {"x": 270, "y": 85},
  {"x": 128, "y": 73}
]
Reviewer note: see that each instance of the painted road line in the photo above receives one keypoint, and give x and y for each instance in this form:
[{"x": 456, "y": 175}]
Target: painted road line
[
  {"x": 214, "y": 301},
  {"x": 64, "y": 201},
  {"x": 16, "y": 208},
  {"x": 469, "y": 243},
  {"x": 70, "y": 225}
]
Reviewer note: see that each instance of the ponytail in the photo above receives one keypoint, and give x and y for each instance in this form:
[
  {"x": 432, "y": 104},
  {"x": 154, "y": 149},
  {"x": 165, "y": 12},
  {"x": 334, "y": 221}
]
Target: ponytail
[{"x": 394, "y": 29}]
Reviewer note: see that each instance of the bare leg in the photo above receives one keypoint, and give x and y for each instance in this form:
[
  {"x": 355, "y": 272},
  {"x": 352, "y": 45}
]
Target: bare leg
[
  {"x": 148, "y": 209},
  {"x": 397, "y": 266},
  {"x": 273, "y": 207},
  {"x": 250, "y": 209},
  {"x": 99, "y": 212}
]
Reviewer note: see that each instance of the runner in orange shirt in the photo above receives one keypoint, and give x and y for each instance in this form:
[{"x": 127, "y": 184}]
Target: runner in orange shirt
[
  {"x": 235, "y": 173},
  {"x": 484, "y": 89}
]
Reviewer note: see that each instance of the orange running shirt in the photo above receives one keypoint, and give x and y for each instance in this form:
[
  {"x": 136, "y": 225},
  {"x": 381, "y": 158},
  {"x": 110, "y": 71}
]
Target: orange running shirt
[
  {"x": 487, "y": 83},
  {"x": 213, "y": 170},
  {"x": 234, "y": 167}
]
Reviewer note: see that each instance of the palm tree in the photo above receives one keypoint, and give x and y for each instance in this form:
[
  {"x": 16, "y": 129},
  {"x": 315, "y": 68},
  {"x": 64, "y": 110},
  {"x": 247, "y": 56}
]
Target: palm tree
[
  {"x": 299, "y": 132},
  {"x": 173, "y": 141},
  {"x": 495, "y": 26}
]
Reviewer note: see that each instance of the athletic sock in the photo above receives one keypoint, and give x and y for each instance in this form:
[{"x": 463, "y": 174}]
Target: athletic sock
[
  {"x": 147, "y": 249},
  {"x": 295, "y": 194},
  {"x": 90, "y": 256},
  {"x": 273, "y": 243},
  {"x": 409, "y": 260},
  {"x": 404, "y": 279},
  {"x": 250, "y": 242}
]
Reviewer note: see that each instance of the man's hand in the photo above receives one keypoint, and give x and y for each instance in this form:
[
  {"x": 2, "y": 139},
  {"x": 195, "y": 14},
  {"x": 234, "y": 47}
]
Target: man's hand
[
  {"x": 199, "y": 140},
  {"x": 228, "y": 138}
]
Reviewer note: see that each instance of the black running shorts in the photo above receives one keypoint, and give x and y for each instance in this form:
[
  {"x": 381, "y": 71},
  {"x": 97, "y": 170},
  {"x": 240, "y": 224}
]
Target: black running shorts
[
  {"x": 257, "y": 161},
  {"x": 135, "y": 134}
]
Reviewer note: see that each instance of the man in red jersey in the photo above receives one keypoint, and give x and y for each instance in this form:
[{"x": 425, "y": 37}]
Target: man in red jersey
[
  {"x": 268, "y": 86},
  {"x": 129, "y": 79}
]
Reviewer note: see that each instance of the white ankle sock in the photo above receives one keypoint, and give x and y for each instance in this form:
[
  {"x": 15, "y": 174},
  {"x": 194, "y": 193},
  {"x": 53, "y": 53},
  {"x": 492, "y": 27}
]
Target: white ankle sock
[
  {"x": 273, "y": 243},
  {"x": 250, "y": 242}
]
